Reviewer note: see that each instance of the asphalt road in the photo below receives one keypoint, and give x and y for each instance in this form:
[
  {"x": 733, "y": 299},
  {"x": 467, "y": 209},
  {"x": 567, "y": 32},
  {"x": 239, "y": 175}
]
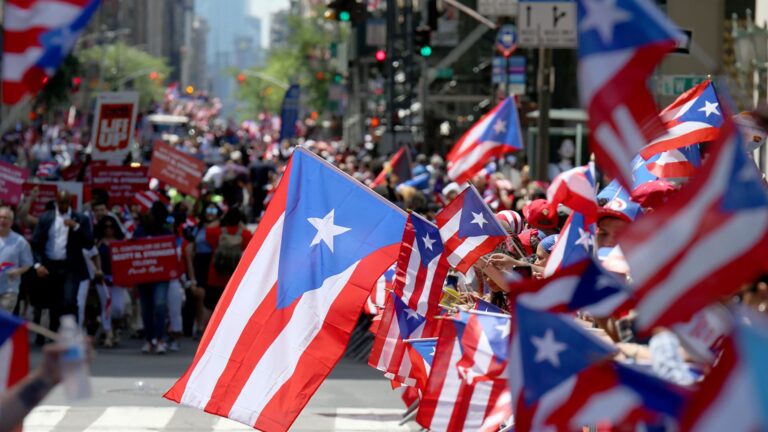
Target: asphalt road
[{"x": 128, "y": 388}]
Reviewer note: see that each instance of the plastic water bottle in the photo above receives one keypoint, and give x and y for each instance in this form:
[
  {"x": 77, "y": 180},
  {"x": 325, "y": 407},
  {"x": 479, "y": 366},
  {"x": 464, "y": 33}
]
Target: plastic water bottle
[{"x": 74, "y": 368}]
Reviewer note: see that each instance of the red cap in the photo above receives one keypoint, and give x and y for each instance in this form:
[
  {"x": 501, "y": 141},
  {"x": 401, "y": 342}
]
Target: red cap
[
  {"x": 653, "y": 194},
  {"x": 540, "y": 214}
]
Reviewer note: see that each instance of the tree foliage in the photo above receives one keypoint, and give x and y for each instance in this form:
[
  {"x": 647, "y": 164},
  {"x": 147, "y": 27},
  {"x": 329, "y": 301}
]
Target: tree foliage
[
  {"x": 305, "y": 58},
  {"x": 121, "y": 66}
]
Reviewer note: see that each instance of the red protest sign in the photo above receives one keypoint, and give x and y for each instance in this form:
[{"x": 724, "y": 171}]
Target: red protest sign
[
  {"x": 176, "y": 168},
  {"x": 145, "y": 260},
  {"x": 121, "y": 182},
  {"x": 113, "y": 125},
  {"x": 46, "y": 192},
  {"x": 11, "y": 180}
]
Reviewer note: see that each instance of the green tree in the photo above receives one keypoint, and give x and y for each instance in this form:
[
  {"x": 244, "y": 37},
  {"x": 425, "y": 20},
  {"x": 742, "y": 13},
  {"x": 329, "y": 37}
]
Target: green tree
[
  {"x": 306, "y": 59},
  {"x": 120, "y": 66}
]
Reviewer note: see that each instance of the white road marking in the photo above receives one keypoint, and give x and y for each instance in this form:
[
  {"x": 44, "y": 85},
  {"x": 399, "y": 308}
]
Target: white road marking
[{"x": 44, "y": 418}]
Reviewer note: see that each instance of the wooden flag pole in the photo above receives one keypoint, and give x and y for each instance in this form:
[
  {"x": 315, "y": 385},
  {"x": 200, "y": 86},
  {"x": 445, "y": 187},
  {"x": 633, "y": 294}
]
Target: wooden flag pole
[{"x": 42, "y": 331}]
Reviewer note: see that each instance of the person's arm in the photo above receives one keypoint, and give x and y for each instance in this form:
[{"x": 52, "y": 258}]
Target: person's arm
[
  {"x": 20, "y": 399},
  {"x": 189, "y": 253}
]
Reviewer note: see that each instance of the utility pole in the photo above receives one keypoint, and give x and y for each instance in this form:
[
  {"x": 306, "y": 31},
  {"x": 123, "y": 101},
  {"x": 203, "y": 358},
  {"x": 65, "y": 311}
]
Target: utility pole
[
  {"x": 389, "y": 67},
  {"x": 544, "y": 87}
]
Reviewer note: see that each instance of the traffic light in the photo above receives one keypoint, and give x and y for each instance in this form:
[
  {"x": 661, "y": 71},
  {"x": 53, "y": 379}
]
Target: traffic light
[
  {"x": 422, "y": 39},
  {"x": 76, "y": 81},
  {"x": 154, "y": 76},
  {"x": 381, "y": 55},
  {"x": 241, "y": 78},
  {"x": 190, "y": 89},
  {"x": 338, "y": 78},
  {"x": 345, "y": 11}
]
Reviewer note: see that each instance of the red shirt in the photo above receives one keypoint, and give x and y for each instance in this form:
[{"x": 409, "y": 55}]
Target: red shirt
[{"x": 212, "y": 235}]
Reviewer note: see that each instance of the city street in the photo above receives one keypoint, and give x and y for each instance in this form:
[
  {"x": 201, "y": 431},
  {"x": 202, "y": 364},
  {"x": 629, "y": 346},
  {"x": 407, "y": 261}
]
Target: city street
[{"x": 128, "y": 388}]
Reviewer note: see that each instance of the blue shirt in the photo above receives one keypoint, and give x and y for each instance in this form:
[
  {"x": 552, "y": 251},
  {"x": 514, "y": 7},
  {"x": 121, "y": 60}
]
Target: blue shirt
[{"x": 15, "y": 250}]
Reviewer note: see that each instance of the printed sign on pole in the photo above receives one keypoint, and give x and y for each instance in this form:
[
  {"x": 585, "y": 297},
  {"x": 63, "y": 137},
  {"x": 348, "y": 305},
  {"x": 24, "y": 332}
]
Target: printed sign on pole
[
  {"x": 120, "y": 182},
  {"x": 145, "y": 260},
  {"x": 506, "y": 40},
  {"x": 176, "y": 168},
  {"x": 547, "y": 24},
  {"x": 11, "y": 180},
  {"x": 114, "y": 122}
]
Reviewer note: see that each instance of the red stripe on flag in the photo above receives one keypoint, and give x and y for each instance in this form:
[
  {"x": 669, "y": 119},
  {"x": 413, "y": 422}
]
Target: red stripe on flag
[
  {"x": 19, "y": 357},
  {"x": 27, "y": 4},
  {"x": 273, "y": 212},
  {"x": 17, "y": 42}
]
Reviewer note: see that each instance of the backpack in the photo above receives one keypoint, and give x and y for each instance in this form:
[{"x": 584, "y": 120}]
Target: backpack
[{"x": 228, "y": 253}]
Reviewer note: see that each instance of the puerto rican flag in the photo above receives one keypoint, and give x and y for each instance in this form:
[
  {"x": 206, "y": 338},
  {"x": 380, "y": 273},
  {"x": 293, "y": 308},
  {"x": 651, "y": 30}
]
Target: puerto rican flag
[
  {"x": 421, "y": 352},
  {"x": 285, "y": 327},
  {"x": 617, "y": 395},
  {"x": 421, "y": 271},
  {"x": 547, "y": 353},
  {"x": 46, "y": 169},
  {"x": 701, "y": 245},
  {"x": 584, "y": 286},
  {"x": 468, "y": 229},
  {"x": 730, "y": 397},
  {"x": 575, "y": 243},
  {"x": 378, "y": 298},
  {"x": 498, "y": 132},
  {"x": 14, "y": 350},
  {"x": 620, "y": 44},
  {"x": 484, "y": 338},
  {"x": 451, "y": 403},
  {"x": 680, "y": 163},
  {"x": 37, "y": 36},
  {"x": 693, "y": 118},
  {"x": 575, "y": 189}
]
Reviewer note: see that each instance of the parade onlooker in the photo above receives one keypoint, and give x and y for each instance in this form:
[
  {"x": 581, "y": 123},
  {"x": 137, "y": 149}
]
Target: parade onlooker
[
  {"x": 59, "y": 239},
  {"x": 202, "y": 253},
  {"x": 108, "y": 231},
  {"x": 15, "y": 259},
  {"x": 154, "y": 296}
]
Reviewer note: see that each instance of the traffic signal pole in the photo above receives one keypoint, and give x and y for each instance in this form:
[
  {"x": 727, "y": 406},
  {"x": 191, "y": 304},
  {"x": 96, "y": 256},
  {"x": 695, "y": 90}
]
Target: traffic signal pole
[
  {"x": 544, "y": 87},
  {"x": 389, "y": 67}
]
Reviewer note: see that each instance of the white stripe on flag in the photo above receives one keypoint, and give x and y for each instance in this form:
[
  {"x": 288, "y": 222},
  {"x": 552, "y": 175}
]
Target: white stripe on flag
[
  {"x": 279, "y": 361},
  {"x": 428, "y": 280},
  {"x": 15, "y": 65},
  {"x": 595, "y": 70},
  {"x": 467, "y": 245},
  {"x": 449, "y": 392},
  {"x": 256, "y": 284},
  {"x": 478, "y": 405},
  {"x": 388, "y": 348},
  {"x": 558, "y": 291},
  {"x": 699, "y": 262},
  {"x": 451, "y": 227},
  {"x": 734, "y": 407},
  {"x": 43, "y": 13},
  {"x": 680, "y": 130},
  {"x": 410, "y": 273},
  {"x": 470, "y": 159},
  {"x": 614, "y": 404}
]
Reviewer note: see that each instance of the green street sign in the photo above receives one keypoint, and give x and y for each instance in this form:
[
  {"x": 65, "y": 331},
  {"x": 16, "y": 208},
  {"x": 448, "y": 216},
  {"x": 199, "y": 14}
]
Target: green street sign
[
  {"x": 444, "y": 73},
  {"x": 675, "y": 85}
]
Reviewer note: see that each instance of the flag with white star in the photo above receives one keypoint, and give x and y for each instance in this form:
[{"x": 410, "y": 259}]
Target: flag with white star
[
  {"x": 498, "y": 132},
  {"x": 484, "y": 338},
  {"x": 292, "y": 303},
  {"x": 411, "y": 309},
  {"x": 620, "y": 44},
  {"x": 693, "y": 118},
  {"x": 468, "y": 229},
  {"x": 575, "y": 243},
  {"x": 37, "y": 36}
]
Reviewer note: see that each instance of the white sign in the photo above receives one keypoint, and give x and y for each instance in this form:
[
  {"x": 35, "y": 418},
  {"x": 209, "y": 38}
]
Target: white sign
[
  {"x": 547, "y": 24},
  {"x": 113, "y": 125},
  {"x": 497, "y": 7}
]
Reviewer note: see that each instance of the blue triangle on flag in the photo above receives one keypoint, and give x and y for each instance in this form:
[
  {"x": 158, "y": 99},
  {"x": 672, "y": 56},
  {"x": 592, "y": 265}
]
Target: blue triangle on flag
[
  {"x": 425, "y": 348},
  {"x": 553, "y": 349},
  {"x": 476, "y": 220},
  {"x": 427, "y": 239},
  {"x": 745, "y": 185},
  {"x": 408, "y": 319}
]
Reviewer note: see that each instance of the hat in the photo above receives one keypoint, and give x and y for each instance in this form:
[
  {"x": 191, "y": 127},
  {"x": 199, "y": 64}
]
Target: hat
[
  {"x": 652, "y": 194},
  {"x": 451, "y": 187},
  {"x": 549, "y": 242},
  {"x": 619, "y": 204},
  {"x": 512, "y": 218},
  {"x": 540, "y": 214},
  {"x": 525, "y": 238}
]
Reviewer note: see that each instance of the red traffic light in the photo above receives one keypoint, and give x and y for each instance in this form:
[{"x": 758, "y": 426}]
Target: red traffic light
[
  {"x": 381, "y": 55},
  {"x": 153, "y": 75},
  {"x": 76, "y": 81},
  {"x": 241, "y": 78}
]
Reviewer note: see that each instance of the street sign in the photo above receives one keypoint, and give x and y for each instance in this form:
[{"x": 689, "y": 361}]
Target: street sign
[
  {"x": 506, "y": 40},
  {"x": 675, "y": 85},
  {"x": 547, "y": 24},
  {"x": 497, "y": 7},
  {"x": 515, "y": 77}
]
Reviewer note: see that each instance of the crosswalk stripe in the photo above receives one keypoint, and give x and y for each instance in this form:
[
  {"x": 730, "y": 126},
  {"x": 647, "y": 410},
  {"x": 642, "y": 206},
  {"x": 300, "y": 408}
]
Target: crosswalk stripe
[
  {"x": 44, "y": 418},
  {"x": 225, "y": 424},
  {"x": 132, "y": 419},
  {"x": 368, "y": 419}
]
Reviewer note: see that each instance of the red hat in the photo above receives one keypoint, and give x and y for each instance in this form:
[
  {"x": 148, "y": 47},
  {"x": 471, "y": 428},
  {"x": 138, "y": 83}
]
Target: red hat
[
  {"x": 653, "y": 194},
  {"x": 540, "y": 214},
  {"x": 525, "y": 239}
]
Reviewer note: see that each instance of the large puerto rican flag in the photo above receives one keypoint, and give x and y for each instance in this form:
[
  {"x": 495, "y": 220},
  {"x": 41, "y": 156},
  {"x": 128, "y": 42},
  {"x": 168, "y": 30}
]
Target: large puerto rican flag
[
  {"x": 14, "y": 351},
  {"x": 496, "y": 133},
  {"x": 693, "y": 118},
  {"x": 37, "y": 36},
  {"x": 704, "y": 243},
  {"x": 288, "y": 311},
  {"x": 620, "y": 44}
]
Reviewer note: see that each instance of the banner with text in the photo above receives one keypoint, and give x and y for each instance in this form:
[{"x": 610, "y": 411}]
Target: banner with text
[
  {"x": 11, "y": 180},
  {"x": 144, "y": 260},
  {"x": 176, "y": 168},
  {"x": 120, "y": 182},
  {"x": 42, "y": 194},
  {"x": 114, "y": 122}
]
